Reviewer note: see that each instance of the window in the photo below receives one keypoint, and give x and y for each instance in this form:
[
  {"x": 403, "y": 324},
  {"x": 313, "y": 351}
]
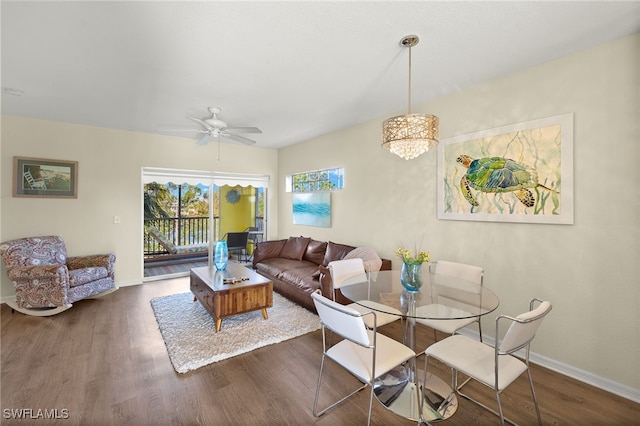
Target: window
[{"x": 317, "y": 180}]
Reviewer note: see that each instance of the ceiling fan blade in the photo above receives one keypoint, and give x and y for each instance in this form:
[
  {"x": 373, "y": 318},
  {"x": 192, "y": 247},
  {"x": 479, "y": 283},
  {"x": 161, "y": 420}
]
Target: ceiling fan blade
[
  {"x": 201, "y": 122},
  {"x": 243, "y": 129},
  {"x": 185, "y": 130},
  {"x": 238, "y": 138},
  {"x": 204, "y": 140}
]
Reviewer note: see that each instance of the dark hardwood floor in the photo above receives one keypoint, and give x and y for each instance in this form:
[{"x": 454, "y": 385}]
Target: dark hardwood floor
[{"x": 103, "y": 362}]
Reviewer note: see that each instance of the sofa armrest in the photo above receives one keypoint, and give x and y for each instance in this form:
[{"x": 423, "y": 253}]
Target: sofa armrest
[
  {"x": 386, "y": 265},
  {"x": 104, "y": 260},
  {"x": 267, "y": 250},
  {"x": 326, "y": 286}
]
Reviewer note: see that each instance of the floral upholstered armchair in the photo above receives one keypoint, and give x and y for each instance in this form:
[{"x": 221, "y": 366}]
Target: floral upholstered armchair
[{"x": 47, "y": 281}]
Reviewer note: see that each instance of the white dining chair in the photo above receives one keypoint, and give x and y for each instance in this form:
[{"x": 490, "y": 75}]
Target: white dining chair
[
  {"x": 363, "y": 352},
  {"x": 469, "y": 273},
  {"x": 341, "y": 270},
  {"x": 496, "y": 367}
]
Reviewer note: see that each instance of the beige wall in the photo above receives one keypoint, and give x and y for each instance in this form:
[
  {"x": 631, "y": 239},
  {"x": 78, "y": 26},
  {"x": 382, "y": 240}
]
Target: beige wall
[
  {"x": 589, "y": 270},
  {"x": 109, "y": 184}
]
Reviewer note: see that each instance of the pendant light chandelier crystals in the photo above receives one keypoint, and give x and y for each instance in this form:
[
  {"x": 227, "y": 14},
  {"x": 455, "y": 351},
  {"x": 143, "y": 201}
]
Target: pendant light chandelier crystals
[{"x": 410, "y": 135}]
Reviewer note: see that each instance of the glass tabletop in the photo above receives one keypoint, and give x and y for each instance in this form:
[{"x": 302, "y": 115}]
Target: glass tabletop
[{"x": 441, "y": 297}]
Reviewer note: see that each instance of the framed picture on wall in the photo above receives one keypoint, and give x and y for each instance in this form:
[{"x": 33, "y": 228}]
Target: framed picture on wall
[
  {"x": 313, "y": 209},
  {"x": 40, "y": 177},
  {"x": 517, "y": 173}
]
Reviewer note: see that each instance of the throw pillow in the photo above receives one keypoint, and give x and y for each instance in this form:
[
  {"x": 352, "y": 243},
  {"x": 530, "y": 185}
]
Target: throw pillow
[
  {"x": 294, "y": 248},
  {"x": 335, "y": 252},
  {"x": 315, "y": 251},
  {"x": 369, "y": 256}
]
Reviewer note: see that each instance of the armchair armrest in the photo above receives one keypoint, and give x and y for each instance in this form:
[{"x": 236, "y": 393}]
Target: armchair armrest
[
  {"x": 39, "y": 272},
  {"x": 105, "y": 260},
  {"x": 40, "y": 286}
]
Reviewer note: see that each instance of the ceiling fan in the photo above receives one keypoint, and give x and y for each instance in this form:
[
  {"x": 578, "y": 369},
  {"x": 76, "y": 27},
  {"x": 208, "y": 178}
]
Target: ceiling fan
[{"x": 214, "y": 127}]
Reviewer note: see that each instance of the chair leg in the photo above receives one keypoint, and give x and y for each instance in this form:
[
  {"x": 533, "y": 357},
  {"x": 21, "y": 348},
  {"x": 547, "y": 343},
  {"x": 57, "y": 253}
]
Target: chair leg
[
  {"x": 317, "y": 413},
  {"x": 500, "y": 407},
  {"x": 535, "y": 400},
  {"x": 491, "y": 410},
  {"x": 370, "y": 405}
]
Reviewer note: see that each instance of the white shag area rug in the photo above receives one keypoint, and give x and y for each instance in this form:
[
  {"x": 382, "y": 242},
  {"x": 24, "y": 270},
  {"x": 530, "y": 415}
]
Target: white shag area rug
[{"x": 192, "y": 342}]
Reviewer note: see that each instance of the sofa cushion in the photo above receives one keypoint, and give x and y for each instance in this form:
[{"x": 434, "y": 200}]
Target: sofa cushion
[
  {"x": 301, "y": 277},
  {"x": 335, "y": 252},
  {"x": 275, "y": 265},
  {"x": 294, "y": 248},
  {"x": 267, "y": 250},
  {"x": 369, "y": 256},
  {"x": 315, "y": 251}
]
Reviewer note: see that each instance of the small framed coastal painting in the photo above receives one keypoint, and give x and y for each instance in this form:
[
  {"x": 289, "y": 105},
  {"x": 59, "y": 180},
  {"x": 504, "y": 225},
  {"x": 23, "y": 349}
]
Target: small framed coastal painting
[
  {"x": 517, "y": 173},
  {"x": 39, "y": 177},
  {"x": 312, "y": 209}
]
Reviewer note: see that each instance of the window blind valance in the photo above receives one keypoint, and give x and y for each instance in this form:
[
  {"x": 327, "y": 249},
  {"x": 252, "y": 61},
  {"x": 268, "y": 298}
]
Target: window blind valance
[{"x": 194, "y": 177}]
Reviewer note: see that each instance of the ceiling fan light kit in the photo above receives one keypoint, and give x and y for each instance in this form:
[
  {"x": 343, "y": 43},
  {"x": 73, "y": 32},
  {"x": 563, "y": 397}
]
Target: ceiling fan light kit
[{"x": 410, "y": 135}]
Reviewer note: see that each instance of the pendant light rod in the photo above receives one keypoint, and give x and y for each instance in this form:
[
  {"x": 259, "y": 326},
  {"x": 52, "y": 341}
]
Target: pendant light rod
[{"x": 409, "y": 41}]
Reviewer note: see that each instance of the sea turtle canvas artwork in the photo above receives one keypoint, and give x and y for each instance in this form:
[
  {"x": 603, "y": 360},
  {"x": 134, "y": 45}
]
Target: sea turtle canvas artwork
[
  {"x": 498, "y": 174},
  {"x": 506, "y": 174}
]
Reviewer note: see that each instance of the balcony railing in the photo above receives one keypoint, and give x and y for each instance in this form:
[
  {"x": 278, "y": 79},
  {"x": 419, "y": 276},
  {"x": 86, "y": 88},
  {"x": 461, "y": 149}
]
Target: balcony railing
[{"x": 182, "y": 231}]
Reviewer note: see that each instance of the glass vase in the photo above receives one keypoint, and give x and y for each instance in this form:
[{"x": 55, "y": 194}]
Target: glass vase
[
  {"x": 221, "y": 255},
  {"x": 411, "y": 276}
]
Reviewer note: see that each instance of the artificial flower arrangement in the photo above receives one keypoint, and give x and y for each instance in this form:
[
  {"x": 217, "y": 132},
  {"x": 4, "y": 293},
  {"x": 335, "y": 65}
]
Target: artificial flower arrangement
[{"x": 409, "y": 257}]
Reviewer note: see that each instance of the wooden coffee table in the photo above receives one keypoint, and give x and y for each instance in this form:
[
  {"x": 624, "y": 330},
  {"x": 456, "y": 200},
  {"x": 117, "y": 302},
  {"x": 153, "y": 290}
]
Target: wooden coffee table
[{"x": 224, "y": 300}]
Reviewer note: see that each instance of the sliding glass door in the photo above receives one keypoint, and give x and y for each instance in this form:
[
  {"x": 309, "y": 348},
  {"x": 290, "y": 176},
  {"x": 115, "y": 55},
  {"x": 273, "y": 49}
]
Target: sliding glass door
[{"x": 186, "y": 210}]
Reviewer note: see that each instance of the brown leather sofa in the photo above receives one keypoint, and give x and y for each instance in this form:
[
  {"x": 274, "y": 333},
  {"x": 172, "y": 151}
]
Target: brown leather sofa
[{"x": 298, "y": 266}]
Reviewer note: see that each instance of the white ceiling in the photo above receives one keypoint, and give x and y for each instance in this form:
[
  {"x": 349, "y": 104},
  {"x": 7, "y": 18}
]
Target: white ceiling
[{"x": 295, "y": 69}]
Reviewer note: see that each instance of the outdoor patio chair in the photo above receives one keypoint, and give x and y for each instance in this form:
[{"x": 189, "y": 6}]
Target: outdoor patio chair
[
  {"x": 33, "y": 183},
  {"x": 237, "y": 242},
  {"x": 164, "y": 241}
]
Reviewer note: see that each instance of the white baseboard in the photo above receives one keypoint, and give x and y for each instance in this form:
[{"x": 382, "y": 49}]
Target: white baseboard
[{"x": 570, "y": 371}]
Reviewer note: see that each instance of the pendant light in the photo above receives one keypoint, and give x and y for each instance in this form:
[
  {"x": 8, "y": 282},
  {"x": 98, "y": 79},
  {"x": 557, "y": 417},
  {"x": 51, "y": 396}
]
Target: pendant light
[{"x": 410, "y": 135}]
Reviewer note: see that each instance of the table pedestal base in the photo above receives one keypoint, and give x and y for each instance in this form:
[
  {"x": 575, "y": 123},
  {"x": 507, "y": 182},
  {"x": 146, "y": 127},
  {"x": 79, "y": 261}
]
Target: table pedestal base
[{"x": 398, "y": 393}]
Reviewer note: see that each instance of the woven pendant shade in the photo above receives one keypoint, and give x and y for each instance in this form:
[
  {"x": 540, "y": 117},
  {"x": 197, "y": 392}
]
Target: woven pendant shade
[{"x": 410, "y": 135}]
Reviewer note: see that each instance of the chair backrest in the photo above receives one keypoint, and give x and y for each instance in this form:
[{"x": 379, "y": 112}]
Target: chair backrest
[
  {"x": 342, "y": 320},
  {"x": 461, "y": 270},
  {"x": 33, "y": 251},
  {"x": 523, "y": 328},
  {"x": 237, "y": 240},
  {"x": 30, "y": 180},
  {"x": 343, "y": 269}
]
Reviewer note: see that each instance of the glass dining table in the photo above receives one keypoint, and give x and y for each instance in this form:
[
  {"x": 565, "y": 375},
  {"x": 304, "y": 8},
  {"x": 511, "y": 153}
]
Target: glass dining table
[{"x": 441, "y": 297}]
